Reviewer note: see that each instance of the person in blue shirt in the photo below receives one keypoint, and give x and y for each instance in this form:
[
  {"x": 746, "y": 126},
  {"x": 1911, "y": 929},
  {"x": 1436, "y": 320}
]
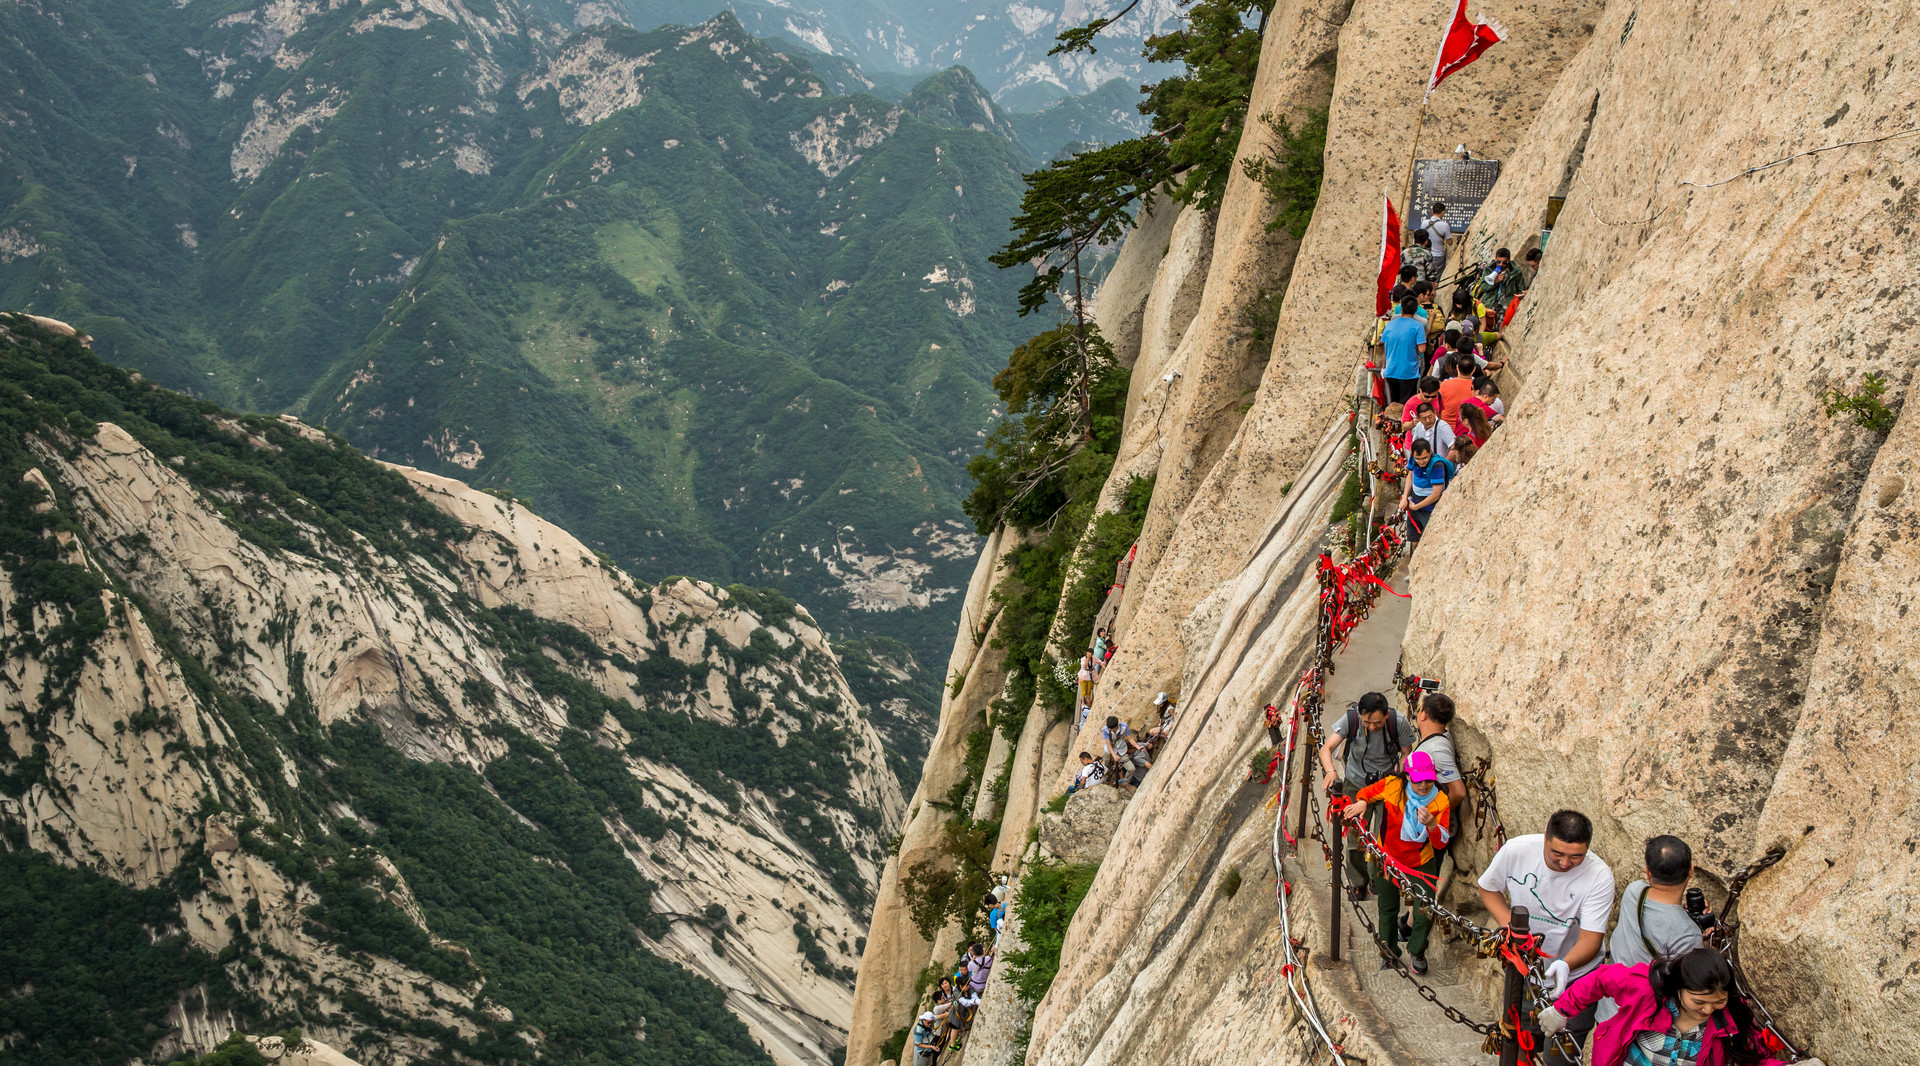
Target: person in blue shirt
[
  {"x": 1428, "y": 476},
  {"x": 1405, "y": 339}
]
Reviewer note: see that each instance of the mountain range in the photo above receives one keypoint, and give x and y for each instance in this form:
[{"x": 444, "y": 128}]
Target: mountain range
[
  {"x": 699, "y": 305},
  {"x": 296, "y": 739},
  {"x": 1005, "y": 44}
]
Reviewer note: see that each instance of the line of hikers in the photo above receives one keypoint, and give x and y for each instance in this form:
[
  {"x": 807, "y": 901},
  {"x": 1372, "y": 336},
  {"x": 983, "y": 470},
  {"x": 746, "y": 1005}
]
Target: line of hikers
[
  {"x": 1439, "y": 399},
  {"x": 955, "y": 1002},
  {"x": 1652, "y": 994},
  {"x": 1126, "y": 751}
]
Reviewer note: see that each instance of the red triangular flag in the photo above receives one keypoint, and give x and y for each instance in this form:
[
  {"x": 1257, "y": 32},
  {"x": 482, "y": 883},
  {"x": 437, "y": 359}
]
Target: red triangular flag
[
  {"x": 1464, "y": 42},
  {"x": 1389, "y": 256}
]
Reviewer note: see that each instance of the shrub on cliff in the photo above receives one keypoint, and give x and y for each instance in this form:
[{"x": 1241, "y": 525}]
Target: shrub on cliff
[{"x": 1050, "y": 893}]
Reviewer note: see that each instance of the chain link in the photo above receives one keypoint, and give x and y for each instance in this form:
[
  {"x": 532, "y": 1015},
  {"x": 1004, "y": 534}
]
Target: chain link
[{"x": 1310, "y": 703}]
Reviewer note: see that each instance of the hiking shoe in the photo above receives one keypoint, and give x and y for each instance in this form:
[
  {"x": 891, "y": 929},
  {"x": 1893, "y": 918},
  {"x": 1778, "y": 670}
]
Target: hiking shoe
[
  {"x": 1418, "y": 963},
  {"x": 1387, "y": 961},
  {"x": 1406, "y": 927}
]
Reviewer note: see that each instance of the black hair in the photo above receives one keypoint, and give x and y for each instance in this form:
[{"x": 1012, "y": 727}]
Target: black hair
[
  {"x": 1669, "y": 861},
  {"x": 1438, "y": 209},
  {"x": 1420, "y": 444},
  {"x": 1373, "y": 703},
  {"x": 1486, "y": 386},
  {"x": 1439, "y": 707},
  {"x": 1429, "y": 384},
  {"x": 1533, "y": 255},
  {"x": 1425, "y": 405},
  {"x": 1407, "y": 272},
  {"x": 1503, "y": 253},
  {"x": 1086, "y": 755},
  {"x": 1409, "y": 306},
  {"x": 1706, "y": 970},
  {"x": 1452, "y": 336},
  {"x": 1421, "y": 288},
  {"x": 1465, "y": 364},
  {"x": 1113, "y": 722},
  {"x": 1462, "y": 299},
  {"x": 1570, "y": 827}
]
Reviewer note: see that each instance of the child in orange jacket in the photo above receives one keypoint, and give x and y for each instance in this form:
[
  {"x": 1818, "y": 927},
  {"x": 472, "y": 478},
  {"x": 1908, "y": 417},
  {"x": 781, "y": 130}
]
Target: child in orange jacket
[{"x": 1418, "y": 827}]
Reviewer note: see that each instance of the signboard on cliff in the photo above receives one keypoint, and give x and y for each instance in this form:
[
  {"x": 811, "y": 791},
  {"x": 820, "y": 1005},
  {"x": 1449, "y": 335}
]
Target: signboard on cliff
[{"x": 1461, "y": 184}]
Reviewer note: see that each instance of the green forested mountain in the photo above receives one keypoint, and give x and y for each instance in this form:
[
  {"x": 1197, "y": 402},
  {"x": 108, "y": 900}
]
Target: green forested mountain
[
  {"x": 292, "y": 738},
  {"x": 707, "y": 314}
]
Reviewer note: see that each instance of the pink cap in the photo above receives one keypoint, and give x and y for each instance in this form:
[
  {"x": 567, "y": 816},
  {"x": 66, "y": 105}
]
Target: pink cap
[{"x": 1420, "y": 767}]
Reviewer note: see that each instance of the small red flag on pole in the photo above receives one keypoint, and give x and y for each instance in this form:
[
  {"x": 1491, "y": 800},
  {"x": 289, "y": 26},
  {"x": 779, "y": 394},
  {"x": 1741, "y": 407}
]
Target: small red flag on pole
[
  {"x": 1464, "y": 42},
  {"x": 1389, "y": 256}
]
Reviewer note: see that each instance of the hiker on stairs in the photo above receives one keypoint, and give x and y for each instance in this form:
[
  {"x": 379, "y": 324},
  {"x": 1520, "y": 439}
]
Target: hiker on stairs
[
  {"x": 1432, "y": 719},
  {"x": 1428, "y": 476},
  {"x": 1374, "y": 735},
  {"x": 1678, "y": 1012},
  {"x": 1656, "y": 918},
  {"x": 1419, "y": 825},
  {"x": 1405, "y": 340},
  {"x": 1568, "y": 894}
]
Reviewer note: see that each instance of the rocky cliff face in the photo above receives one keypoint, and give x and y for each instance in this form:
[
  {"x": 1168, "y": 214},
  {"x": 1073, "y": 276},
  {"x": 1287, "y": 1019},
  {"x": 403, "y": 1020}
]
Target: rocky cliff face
[
  {"x": 423, "y": 782},
  {"x": 1671, "y": 592}
]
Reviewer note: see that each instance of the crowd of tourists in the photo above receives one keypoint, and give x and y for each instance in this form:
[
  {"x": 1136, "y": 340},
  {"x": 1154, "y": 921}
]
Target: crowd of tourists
[
  {"x": 1651, "y": 994},
  {"x": 1441, "y": 402},
  {"x": 955, "y": 1002}
]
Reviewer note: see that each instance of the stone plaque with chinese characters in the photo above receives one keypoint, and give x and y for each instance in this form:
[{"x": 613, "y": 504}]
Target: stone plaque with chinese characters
[{"x": 1461, "y": 184}]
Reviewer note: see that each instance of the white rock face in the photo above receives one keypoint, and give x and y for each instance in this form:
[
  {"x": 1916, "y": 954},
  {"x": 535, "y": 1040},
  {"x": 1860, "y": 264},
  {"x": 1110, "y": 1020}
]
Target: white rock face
[
  {"x": 592, "y": 80},
  {"x": 368, "y": 636},
  {"x": 1672, "y": 591},
  {"x": 838, "y": 139}
]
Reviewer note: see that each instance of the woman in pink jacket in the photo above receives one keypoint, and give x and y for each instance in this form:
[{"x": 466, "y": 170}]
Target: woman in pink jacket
[{"x": 1676, "y": 1012}]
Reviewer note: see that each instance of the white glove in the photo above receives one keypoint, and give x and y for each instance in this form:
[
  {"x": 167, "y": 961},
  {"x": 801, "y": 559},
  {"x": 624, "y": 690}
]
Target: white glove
[
  {"x": 1560, "y": 973},
  {"x": 1551, "y": 1021}
]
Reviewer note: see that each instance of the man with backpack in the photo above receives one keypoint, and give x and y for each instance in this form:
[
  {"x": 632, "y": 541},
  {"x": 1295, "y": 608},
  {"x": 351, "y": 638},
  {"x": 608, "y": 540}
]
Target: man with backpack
[
  {"x": 1428, "y": 476},
  {"x": 1374, "y": 735}
]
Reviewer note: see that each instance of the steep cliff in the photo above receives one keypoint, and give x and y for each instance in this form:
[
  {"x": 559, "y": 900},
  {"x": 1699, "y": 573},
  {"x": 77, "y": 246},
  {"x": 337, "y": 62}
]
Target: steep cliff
[
  {"x": 360, "y": 749},
  {"x": 1670, "y": 592}
]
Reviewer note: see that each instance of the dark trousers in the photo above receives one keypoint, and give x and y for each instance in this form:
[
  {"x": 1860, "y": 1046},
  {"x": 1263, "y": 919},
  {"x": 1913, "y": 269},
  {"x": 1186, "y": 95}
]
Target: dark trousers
[
  {"x": 1359, "y": 871},
  {"x": 1419, "y": 895},
  {"x": 1576, "y": 1031}
]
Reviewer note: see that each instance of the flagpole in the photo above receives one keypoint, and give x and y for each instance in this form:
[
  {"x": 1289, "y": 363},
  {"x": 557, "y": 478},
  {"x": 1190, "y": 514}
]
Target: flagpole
[{"x": 1406, "y": 206}]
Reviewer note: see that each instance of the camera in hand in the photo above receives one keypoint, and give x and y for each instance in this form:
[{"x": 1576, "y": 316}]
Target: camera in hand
[{"x": 1697, "y": 909}]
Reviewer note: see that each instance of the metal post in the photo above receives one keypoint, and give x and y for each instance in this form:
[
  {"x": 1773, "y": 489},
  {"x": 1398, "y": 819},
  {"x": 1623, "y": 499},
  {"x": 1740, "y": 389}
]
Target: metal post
[
  {"x": 1309, "y": 760},
  {"x": 1339, "y": 868},
  {"x": 1513, "y": 999}
]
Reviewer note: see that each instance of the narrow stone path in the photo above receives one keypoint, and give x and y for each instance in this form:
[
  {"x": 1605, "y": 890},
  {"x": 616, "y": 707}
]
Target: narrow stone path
[{"x": 1398, "y": 1014}]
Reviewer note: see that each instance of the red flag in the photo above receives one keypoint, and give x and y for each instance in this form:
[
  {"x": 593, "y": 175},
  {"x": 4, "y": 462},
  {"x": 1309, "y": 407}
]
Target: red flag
[
  {"x": 1389, "y": 256},
  {"x": 1464, "y": 42}
]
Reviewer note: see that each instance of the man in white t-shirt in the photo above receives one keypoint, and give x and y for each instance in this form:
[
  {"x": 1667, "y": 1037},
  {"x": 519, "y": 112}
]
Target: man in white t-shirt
[
  {"x": 1568, "y": 895},
  {"x": 1426, "y": 426}
]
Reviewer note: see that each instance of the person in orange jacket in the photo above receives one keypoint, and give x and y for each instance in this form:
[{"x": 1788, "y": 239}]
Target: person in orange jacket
[{"x": 1419, "y": 826}]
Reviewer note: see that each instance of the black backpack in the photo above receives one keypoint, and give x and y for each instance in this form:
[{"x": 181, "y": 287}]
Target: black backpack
[{"x": 1393, "y": 731}]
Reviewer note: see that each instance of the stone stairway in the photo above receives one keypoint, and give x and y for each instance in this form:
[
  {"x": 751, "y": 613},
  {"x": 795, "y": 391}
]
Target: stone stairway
[{"x": 1385, "y": 1004}]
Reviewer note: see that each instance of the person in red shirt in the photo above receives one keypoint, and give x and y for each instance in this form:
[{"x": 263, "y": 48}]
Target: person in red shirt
[
  {"x": 1455, "y": 390},
  {"x": 1419, "y": 825}
]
